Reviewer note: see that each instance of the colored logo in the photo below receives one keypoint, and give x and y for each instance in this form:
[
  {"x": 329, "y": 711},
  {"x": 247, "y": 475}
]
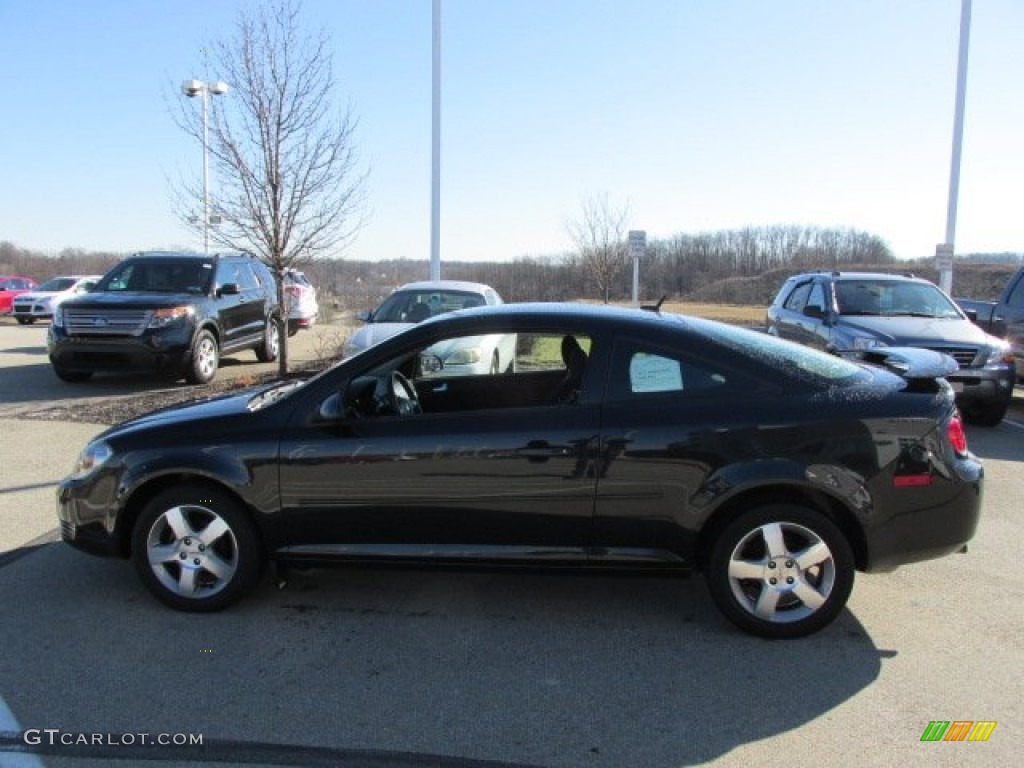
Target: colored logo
[{"x": 958, "y": 730}]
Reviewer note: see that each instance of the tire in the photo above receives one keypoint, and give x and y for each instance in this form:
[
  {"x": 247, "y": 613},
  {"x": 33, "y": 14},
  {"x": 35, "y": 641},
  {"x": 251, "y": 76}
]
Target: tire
[
  {"x": 195, "y": 549},
  {"x": 768, "y": 544},
  {"x": 26, "y": 320},
  {"x": 202, "y": 365},
  {"x": 72, "y": 377},
  {"x": 988, "y": 415},
  {"x": 270, "y": 347}
]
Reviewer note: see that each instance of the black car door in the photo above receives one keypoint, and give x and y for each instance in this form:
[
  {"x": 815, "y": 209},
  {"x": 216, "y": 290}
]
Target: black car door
[{"x": 482, "y": 474}]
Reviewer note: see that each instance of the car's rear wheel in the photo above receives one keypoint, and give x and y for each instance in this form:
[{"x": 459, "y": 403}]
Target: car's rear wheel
[
  {"x": 269, "y": 348},
  {"x": 781, "y": 571},
  {"x": 26, "y": 320},
  {"x": 72, "y": 377},
  {"x": 195, "y": 549},
  {"x": 205, "y": 359}
]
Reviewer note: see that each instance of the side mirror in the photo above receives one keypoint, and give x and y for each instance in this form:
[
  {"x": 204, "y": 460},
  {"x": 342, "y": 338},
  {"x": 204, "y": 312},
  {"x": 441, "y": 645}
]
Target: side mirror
[
  {"x": 430, "y": 363},
  {"x": 972, "y": 315},
  {"x": 229, "y": 289},
  {"x": 813, "y": 310}
]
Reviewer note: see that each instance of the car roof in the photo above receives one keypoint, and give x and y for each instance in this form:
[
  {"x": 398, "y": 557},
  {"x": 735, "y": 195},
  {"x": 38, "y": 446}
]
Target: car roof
[
  {"x": 445, "y": 285},
  {"x": 841, "y": 276}
]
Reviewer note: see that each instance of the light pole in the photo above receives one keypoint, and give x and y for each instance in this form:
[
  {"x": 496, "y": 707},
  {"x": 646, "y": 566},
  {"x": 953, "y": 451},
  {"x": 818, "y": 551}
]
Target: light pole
[{"x": 192, "y": 88}]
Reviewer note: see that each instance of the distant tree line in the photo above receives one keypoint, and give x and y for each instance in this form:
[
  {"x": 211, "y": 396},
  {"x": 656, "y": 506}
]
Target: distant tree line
[{"x": 733, "y": 266}]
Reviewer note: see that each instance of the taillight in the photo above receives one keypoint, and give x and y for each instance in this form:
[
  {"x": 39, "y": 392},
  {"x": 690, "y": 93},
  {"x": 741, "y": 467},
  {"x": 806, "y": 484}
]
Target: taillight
[
  {"x": 957, "y": 436},
  {"x": 293, "y": 291}
]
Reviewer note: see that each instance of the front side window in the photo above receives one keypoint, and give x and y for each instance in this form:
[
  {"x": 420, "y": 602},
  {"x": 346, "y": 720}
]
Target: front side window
[{"x": 474, "y": 373}]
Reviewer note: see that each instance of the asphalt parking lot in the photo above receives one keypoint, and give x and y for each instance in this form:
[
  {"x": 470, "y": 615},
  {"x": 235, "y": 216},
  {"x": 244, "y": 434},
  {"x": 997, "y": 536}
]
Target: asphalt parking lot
[{"x": 403, "y": 668}]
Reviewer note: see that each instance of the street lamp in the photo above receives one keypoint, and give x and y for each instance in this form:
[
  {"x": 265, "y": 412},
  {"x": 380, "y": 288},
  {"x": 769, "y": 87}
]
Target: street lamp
[{"x": 192, "y": 88}]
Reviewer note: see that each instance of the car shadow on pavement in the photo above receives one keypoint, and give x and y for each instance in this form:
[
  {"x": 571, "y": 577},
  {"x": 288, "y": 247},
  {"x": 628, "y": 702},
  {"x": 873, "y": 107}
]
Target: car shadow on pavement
[{"x": 524, "y": 669}]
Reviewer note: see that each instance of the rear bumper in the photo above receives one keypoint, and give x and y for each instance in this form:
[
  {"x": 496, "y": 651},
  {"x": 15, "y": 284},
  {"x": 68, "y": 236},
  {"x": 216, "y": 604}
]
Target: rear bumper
[{"x": 935, "y": 528}]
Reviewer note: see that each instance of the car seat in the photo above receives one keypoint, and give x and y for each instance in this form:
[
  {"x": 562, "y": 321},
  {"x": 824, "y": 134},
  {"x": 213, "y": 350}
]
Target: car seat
[{"x": 575, "y": 360}]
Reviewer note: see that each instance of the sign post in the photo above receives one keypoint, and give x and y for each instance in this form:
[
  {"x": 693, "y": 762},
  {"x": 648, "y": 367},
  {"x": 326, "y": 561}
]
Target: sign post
[{"x": 637, "y": 250}]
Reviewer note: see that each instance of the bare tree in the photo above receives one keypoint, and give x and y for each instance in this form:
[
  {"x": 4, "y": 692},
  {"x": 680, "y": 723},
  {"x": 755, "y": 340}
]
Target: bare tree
[
  {"x": 290, "y": 189},
  {"x": 599, "y": 236}
]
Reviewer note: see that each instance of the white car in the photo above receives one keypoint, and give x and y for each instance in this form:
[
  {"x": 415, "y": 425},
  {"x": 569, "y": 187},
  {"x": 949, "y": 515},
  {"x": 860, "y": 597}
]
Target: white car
[
  {"x": 302, "y": 306},
  {"x": 41, "y": 303},
  {"x": 415, "y": 302}
]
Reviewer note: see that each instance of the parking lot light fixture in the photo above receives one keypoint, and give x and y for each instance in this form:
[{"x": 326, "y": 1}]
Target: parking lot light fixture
[{"x": 193, "y": 88}]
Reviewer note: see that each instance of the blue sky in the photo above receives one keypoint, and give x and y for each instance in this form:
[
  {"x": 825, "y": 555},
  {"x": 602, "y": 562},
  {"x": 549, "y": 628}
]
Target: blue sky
[{"x": 697, "y": 114}]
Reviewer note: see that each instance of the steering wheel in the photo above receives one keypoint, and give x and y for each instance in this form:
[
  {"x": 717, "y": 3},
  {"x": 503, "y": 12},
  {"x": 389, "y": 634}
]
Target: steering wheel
[{"x": 401, "y": 395}]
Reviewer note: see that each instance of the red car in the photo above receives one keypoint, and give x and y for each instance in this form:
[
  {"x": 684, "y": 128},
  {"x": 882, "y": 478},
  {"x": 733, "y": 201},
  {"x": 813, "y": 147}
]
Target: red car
[{"x": 11, "y": 286}]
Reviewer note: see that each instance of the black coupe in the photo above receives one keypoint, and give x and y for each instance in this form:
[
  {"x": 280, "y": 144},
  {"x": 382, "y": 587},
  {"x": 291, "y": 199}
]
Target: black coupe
[{"x": 616, "y": 438}]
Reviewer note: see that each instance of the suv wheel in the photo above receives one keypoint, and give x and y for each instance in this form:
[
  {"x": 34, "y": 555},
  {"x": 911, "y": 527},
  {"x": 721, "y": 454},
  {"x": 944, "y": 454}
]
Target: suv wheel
[
  {"x": 205, "y": 358},
  {"x": 781, "y": 571},
  {"x": 269, "y": 348}
]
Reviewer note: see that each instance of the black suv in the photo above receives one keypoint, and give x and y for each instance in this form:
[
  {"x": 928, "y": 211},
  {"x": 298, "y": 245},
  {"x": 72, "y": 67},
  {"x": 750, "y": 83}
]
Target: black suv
[
  {"x": 848, "y": 312},
  {"x": 173, "y": 313}
]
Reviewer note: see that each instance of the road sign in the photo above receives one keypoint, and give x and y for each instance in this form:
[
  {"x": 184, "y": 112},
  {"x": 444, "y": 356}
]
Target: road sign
[{"x": 637, "y": 241}]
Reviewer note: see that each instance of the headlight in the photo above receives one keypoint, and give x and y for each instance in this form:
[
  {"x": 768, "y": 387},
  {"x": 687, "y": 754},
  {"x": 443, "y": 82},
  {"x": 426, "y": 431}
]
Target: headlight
[
  {"x": 58, "y": 318},
  {"x": 866, "y": 342},
  {"x": 463, "y": 357},
  {"x": 1000, "y": 355},
  {"x": 92, "y": 457},
  {"x": 164, "y": 317}
]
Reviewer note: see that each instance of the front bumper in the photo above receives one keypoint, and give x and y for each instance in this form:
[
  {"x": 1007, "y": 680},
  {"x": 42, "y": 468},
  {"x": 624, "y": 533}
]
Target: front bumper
[
  {"x": 983, "y": 385},
  {"x": 88, "y": 511},
  {"x": 168, "y": 350}
]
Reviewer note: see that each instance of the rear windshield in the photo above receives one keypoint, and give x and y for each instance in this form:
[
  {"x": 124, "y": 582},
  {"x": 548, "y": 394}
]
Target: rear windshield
[{"x": 788, "y": 357}]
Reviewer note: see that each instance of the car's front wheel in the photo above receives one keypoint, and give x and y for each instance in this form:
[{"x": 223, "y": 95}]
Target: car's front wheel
[
  {"x": 26, "y": 320},
  {"x": 205, "y": 359},
  {"x": 195, "y": 549},
  {"x": 780, "y": 571}
]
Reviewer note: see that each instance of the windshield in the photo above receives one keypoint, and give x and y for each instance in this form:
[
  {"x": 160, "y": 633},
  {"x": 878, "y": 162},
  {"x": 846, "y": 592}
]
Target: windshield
[
  {"x": 57, "y": 284},
  {"x": 178, "y": 276},
  {"x": 416, "y": 306},
  {"x": 891, "y": 298}
]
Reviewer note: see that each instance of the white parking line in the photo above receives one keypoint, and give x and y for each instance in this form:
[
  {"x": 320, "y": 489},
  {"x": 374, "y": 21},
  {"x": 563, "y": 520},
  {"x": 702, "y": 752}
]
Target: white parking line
[
  {"x": 1014, "y": 424},
  {"x": 9, "y": 724}
]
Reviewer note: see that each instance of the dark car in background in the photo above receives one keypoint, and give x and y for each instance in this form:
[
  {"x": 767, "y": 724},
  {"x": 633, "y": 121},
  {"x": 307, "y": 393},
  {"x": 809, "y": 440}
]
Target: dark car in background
[
  {"x": 167, "y": 312},
  {"x": 620, "y": 439},
  {"x": 849, "y": 312}
]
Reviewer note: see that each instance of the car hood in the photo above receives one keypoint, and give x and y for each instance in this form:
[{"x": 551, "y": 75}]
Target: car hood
[
  {"x": 189, "y": 413},
  {"x": 374, "y": 333},
  {"x": 39, "y": 295},
  {"x": 131, "y": 299},
  {"x": 918, "y": 331}
]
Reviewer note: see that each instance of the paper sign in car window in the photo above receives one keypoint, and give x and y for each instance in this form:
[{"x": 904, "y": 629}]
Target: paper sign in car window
[{"x": 652, "y": 373}]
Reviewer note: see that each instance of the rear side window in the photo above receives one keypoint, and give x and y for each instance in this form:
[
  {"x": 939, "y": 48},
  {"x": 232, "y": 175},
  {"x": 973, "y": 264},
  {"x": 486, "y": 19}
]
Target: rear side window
[
  {"x": 797, "y": 300},
  {"x": 641, "y": 371}
]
